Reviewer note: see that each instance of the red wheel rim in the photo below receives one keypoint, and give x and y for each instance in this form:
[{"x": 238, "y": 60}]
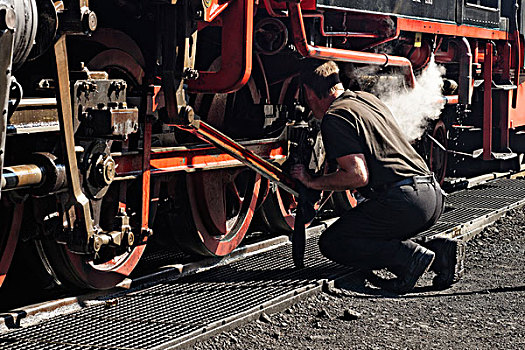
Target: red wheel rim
[
  {"x": 10, "y": 219},
  {"x": 222, "y": 204},
  {"x": 104, "y": 270},
  {"x": 107, "y": 274},
  {"x": 278, "y": 210},
  {"x": 438, "y": 156},
  {"x": 287, "y": 207}
]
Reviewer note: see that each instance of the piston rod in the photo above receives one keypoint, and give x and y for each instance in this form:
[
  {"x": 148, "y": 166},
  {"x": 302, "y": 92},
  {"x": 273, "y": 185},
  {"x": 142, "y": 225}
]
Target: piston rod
[
  {"x": 208, "y": 133},
  {"x": 22, "y": 176},
  {"x": 44, "y": 176}
]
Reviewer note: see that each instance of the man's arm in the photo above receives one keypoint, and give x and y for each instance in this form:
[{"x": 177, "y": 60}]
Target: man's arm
[{"x": 352, "y": 173}]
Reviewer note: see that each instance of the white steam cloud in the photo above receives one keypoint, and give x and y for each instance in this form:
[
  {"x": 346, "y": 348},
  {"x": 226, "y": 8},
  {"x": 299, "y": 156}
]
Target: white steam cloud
[{"x": 415, "y": 108}]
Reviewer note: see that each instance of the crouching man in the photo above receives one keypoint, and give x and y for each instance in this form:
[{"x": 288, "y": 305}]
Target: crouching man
[{"x": 373, "y": 156}]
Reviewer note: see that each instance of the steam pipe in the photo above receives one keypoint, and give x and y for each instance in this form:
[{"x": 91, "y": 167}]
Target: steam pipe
[
  {"x": 326, "y": 53},
  {"x": 236, "y": 52}
]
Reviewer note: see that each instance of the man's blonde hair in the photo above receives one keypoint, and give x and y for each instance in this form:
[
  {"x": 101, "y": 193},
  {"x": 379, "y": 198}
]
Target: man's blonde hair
[{"x": 320, "y": 76}]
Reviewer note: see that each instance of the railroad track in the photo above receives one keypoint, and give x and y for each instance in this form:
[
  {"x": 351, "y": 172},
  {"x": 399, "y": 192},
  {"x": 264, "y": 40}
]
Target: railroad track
[{"x": 179, "y": 304}]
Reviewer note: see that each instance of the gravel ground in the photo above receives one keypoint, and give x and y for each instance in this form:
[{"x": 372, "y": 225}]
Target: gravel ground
[{"x": 482, "y": 311}]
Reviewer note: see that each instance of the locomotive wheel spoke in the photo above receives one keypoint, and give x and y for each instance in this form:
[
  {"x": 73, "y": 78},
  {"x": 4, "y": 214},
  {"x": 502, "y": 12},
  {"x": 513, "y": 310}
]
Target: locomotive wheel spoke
[
  {"x": 216, "y": 186},
  {"x": 237, "y": 199},
  {"x": 222, "y": 204}
]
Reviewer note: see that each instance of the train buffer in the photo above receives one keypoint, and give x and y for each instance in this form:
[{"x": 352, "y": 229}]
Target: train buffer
[{"x": 175, "y": 313}]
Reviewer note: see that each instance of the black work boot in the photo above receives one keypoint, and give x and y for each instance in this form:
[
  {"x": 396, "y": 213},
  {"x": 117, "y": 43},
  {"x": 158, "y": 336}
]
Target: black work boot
[
  {"x": 448, "y": 264},
  {"x": 408, "y": 276}
]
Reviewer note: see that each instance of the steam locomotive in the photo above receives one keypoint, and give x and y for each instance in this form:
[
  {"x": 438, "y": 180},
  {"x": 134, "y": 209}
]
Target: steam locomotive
[{"x": 123, "y": 120}]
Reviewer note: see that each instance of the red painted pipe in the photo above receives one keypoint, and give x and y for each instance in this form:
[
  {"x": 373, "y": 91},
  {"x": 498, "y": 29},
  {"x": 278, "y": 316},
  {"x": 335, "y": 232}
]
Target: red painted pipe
[
  {"x": 517, "y": 64},
  {"x": 326, "y": 53},
  {"x": 236, "y": 52}
]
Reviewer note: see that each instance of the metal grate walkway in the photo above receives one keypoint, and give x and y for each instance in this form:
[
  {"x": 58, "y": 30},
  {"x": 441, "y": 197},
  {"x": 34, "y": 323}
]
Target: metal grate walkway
[{"x": 174, "y": 313}]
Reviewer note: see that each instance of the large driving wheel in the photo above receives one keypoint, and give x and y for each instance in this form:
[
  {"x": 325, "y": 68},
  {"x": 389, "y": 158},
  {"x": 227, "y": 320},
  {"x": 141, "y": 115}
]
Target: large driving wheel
[
  {"x": 105, "y": 269},
  {"x": 113, "y": 263},
  {"x": 10, "y": 220},
  {"x": 222, "y": 204}
]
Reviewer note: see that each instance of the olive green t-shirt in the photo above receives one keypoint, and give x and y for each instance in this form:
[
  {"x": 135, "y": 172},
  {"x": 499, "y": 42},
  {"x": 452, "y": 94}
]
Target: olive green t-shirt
[{"x": 358, "y": 122}]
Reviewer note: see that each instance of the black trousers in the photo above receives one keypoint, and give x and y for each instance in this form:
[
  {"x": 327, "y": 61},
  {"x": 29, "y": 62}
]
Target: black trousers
[{"x": 376, "y": 234}]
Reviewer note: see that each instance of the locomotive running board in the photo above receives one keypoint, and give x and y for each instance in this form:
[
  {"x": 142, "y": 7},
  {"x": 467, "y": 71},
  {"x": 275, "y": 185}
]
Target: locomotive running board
[{"x": 208, "y": 133}]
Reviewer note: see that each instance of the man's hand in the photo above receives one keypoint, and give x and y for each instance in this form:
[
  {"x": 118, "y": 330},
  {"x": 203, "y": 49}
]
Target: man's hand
[
  {"x": 352, "y": 173},
  {"x": 298, "y": 172}
]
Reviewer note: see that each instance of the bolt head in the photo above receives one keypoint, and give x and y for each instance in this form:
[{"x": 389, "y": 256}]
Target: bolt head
[
  {"x": 109, "y": 170},
  {"x": 97, "y": 244},
  {"x": 130, "y": 238},
  {"x": 93, "y": 21},
  {"x": 89, "y": 21}
]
